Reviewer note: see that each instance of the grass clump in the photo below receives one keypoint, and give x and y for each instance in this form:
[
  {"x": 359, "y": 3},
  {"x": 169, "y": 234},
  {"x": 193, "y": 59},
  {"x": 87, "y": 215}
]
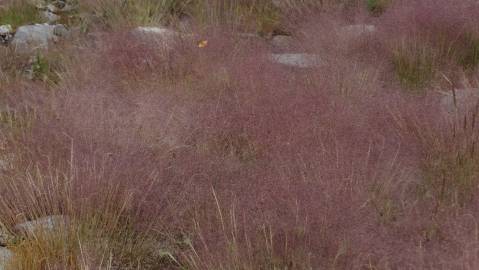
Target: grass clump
[
  {"x": 450, "y": 162},
  {"x": 414, "y": 66},
  {"x": 45, "y": 250},
  {"x": 45, "y": 68},
  {"x": 451, "y": 178},
  {"x": 377, "y": 7},
  {"x": 468, "y": 57},
  {"x": 19, "y": 13},
  {"x": 262, "y": 17},
  {"x": 416, "y": 63},
  {"x": 120, "y": 13}
]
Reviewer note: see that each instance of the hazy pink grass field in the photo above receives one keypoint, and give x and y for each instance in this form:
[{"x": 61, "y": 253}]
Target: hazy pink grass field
[{"x": 217, "y": 158}]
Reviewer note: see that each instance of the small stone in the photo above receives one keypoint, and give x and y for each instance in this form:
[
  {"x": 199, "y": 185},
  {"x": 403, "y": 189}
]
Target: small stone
[
  {"x": 5, "y": 257},
  {"x": 301, "y": 60},
  {"x": 6, "y": 34},
  {"x": 6, "y": 29},
  {"x": 45, "y": 224}
]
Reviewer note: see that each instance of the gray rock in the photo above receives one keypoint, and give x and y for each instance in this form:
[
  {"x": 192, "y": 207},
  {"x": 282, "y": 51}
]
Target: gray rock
[
  {"x": 31, "y": 37},
  {"x": 5, "y": 257},
  {"x": 44, "y": 224},
  {"x": 356, "y": 30},
  {"x": 6, "y": 33},
  {"x": 461, "y": 101},
  {"x": 300, "y": 60}
]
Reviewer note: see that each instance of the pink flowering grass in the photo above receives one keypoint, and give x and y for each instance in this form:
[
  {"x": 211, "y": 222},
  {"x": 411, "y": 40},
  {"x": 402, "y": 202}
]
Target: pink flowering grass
[{"x": 214, "y": 157}]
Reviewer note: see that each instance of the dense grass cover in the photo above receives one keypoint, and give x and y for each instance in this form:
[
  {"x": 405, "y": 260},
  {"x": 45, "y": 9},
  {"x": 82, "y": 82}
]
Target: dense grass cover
[{"x": 206, "y": 155}]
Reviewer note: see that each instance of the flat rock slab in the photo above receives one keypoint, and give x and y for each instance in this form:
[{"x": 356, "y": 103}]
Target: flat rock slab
[
  {"x": 300, "y": 60},
  {"x": 5, "y": 257}
]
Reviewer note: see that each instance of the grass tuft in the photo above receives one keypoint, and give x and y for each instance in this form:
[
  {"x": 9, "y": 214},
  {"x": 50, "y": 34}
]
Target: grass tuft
[
  {"x": 19, "y": 13},
  {"x": 414, "y": 65},
  {"x": 377, "y": 7}
]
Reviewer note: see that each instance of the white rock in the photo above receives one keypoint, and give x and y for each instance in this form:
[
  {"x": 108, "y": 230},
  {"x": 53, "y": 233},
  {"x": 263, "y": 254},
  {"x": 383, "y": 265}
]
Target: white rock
[
  {"x": 356, "y": 30},
  {"x": 32, "y": 37},
  {"x": 44, "y": 224},
  {"x": 5, "y": 257},
  {"x": 5, "y": 29},
  {"x": 301, "y": 60},
  {"x": 6, "y": 33}
]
